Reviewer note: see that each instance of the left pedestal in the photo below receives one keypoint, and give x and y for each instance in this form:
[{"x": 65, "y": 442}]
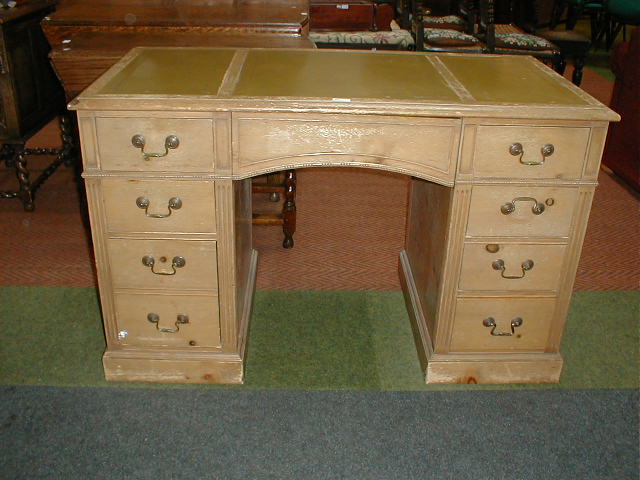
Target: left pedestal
[{"x": 172, "y": 244}]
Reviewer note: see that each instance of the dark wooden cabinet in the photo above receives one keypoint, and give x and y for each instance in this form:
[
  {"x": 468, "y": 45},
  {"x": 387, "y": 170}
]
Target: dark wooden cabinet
[
  {"x": 30, "y": 96},
  {"x": 350, "y": 15},
  {"x": 30, "y": 92}
]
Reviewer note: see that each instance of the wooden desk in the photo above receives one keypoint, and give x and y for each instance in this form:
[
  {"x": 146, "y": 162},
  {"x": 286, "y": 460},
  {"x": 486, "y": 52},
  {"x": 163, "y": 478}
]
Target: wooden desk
[{"x": 502, "y": 152}]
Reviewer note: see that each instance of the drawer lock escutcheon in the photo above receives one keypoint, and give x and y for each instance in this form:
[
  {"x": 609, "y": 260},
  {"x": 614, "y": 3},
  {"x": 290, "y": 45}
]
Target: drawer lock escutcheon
[
  {"x": 171, "y": 142},
  {"x": 537, "y": 209},
  {"x": 174, "y": 204},
  {"x": 176, "y": 262},
  {"x": 517, "y": 150},
  {"x": 500, "y": 265},
  {"x": 490, "y": 322},
  {"x": 180, "y": 320}
]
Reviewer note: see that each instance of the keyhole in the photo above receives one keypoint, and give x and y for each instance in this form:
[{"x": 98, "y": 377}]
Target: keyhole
[{"x": 163, "y": 259}]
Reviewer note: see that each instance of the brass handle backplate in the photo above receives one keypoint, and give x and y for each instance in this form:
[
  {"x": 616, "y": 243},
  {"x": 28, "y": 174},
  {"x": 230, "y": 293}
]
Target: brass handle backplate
[
  {"x": 176, "y": 262},
  {"x": 174, "y": 204},
  {"x": 537, "y": 209},
  {"x": 500, "y": 265},
  {"x": 171, "y": 142},
  {"x": 490, "y": 322},
  {"x": 517, "y": 150},
  {"x": 180, "y": 320}
]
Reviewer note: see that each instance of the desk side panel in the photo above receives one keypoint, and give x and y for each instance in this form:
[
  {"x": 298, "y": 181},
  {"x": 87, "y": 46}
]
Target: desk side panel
[{"x": 427, "y": 225}]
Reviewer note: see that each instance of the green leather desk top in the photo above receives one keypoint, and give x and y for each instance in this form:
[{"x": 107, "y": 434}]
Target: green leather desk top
[{"x": 338, "y": 77}]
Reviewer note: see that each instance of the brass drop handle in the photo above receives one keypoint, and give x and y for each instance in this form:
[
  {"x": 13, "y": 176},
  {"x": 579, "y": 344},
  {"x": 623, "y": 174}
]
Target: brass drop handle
[
  {"x": 180, "y": 320},
  {"x": 171, "y": 142},
  {"x": 538, "y": 207},
  {"x": 490, "y": 322},
  {"x": 500, "y": 265},
  {"x": 174, "y": 204},
  {"x": 176, "y": 262},
  {"x": 516, "y": 149}
]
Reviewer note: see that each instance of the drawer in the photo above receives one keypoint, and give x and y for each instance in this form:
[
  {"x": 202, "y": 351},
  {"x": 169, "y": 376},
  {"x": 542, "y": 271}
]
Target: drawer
[
  {"x": 167, "y": 320},
  {"x": 191, "y": 151},
  {"x": 509, "y": 266},
  {"x": 475, "y": 317},
  {"x": 421, "y": 145},
  {"x": 138, "y": 263},
  {"x": 517, "y": 151},
  {"x": 521, "y": 211},
  {"x": 174, "y": 206}
]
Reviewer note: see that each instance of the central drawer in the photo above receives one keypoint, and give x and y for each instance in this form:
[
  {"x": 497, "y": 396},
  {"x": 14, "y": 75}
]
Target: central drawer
[
  {"x": 175, "y": 206},
  {"x": 167, "y": 320},
  {"x": 155, "y": 144},
  {"x": 264, "y": 141},
  {"x": 155, "y": 264}
]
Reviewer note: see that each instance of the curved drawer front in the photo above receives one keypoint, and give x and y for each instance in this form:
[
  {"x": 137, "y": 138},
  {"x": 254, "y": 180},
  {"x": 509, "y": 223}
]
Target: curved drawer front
[
  {"x": 511, "y": 267},
  {"x": 521, "y": 211},
  {"x": 187, "y": 321},
  {"x": 530, "y": 317},
  {"x": 504, "y": 151},
  {"x": 416, "y": 145},
  {"x": 138, "y": 263},
  {"x": 192, "y": 152},
  {"x": 173, "y": 206}
]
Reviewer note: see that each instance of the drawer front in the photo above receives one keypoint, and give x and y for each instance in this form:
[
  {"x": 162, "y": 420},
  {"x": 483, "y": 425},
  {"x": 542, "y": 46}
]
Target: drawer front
[
  {"x": 521, "y": 211},
  {"x": 517, "y": 151},
  {"x": 511, "y": 267},
  {"x": 138, "y": 263},
  {"x": 187, "y": 321},
  {"x": 530, "y": 317},
  {"x": 193, "y": 151},
  {"x": 263, "y": 141},
  {"x": 157, "y": 206}
]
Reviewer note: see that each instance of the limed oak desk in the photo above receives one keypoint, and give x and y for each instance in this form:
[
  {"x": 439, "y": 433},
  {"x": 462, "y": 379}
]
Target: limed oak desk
[{"x": 503, "y": 156}]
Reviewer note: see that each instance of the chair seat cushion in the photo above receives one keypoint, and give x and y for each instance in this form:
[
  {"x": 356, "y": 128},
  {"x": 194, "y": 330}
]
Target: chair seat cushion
[
  {"x": 522, "y": 41},
  {"x": 401, "y": 38},
  {"x": 448, "y": 37},
  {"x": 447, "y": 21}
]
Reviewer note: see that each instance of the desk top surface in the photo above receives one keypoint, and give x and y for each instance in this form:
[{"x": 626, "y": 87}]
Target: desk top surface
[{"x": 341, "y": 81}]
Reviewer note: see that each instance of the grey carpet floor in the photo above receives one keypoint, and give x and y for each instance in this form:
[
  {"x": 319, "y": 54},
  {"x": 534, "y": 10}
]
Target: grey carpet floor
[{"x": 109, "y": 433}]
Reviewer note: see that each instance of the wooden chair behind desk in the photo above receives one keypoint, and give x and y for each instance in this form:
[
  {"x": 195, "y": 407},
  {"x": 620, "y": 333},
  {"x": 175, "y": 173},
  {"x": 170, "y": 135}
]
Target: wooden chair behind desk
[
  {"x": 509, "y": 39},
  {"x": 281, "y": 186}
]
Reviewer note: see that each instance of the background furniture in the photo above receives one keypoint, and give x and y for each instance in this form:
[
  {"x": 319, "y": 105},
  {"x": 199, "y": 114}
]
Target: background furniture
[
  {"x": 453, "y": 33},
  {"x": 503, "y": 159},
  {"x": 508, "y": 38},
  {"x": 357, "y": 24},
  {"x": 349, "y": 15},
  {"x": 542, "y": 19},
  {"x": 622, "y": 150},
  {"x": 619, "y": 14},
  {"x": 30, "y": 96},
  {"x": 279, "y": 186}
]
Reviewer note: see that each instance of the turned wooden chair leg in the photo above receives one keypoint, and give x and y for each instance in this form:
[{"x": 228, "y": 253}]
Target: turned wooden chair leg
[
  {"x": 577, "y": 70},
  {"x": 289, "y": 209},
  {"x": 25, "y": 191}
]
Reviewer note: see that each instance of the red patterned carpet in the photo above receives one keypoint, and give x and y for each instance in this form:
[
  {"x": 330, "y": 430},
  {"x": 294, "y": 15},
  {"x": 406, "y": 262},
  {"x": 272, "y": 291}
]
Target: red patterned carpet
[{"x": 350, "y": 230}]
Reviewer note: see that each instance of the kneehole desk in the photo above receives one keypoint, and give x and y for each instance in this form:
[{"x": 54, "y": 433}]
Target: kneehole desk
[{"x": 503, "y": 156}]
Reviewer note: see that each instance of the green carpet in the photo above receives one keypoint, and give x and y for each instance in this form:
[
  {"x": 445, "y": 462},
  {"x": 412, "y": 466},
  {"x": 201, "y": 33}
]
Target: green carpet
[{"x": 352, "y": 340}]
